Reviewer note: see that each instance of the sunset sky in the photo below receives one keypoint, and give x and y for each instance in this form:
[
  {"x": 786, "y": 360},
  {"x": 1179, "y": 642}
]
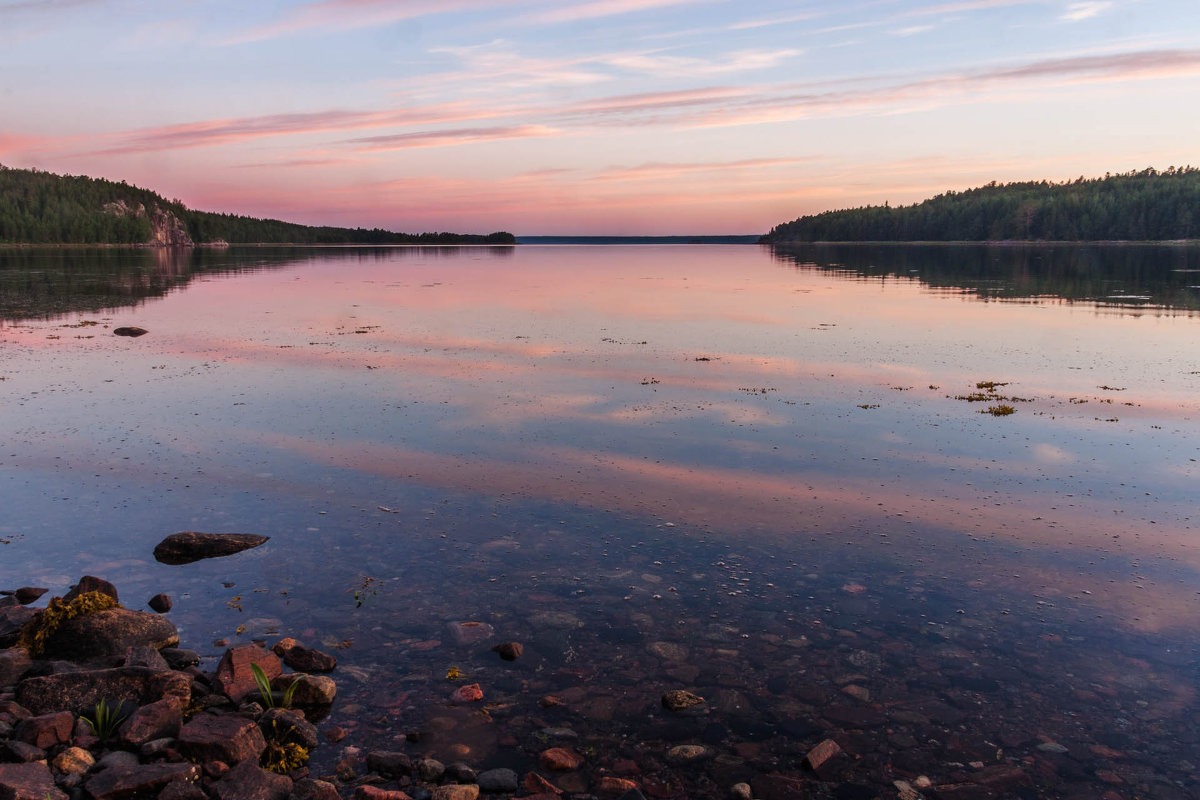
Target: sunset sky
[{"x": 592, "y": 116}]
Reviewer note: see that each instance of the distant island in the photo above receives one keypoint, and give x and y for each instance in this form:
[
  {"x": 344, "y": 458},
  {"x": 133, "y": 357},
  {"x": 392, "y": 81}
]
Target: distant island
[
  {"x": 39, "y": 207},
  {"x": 1135, "y": 206}
]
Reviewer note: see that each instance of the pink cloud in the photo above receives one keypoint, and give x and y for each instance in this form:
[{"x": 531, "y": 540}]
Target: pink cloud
[{"x": 444, "y": 138}]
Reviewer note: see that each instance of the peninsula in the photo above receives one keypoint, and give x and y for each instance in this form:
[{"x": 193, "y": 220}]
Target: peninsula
[{"x": 43, "y": 208}]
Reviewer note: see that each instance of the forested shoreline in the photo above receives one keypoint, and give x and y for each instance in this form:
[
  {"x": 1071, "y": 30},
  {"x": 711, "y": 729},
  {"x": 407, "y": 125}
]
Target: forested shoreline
[
  {"x": 39, "y": 207},
  {"x": 1137, "y": 206}
]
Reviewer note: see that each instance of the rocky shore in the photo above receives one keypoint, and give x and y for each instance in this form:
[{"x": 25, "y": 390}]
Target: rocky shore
[{"x": 831, "y": 714}]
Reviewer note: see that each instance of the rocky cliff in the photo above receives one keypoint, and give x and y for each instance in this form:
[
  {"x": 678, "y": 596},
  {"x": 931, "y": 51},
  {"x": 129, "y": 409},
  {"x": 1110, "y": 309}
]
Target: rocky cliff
[{"x": 166, "y": 229}]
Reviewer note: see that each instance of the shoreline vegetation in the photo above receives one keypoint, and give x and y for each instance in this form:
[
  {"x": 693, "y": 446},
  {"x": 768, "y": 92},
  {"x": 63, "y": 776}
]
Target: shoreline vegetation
[
  {"x": 45, "y": 209},
  {"x": 1134, "y": 207}
]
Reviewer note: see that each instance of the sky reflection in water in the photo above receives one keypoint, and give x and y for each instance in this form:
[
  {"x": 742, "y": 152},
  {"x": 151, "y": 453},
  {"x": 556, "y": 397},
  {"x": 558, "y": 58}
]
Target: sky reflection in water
[{"x": 744, "y": 395}]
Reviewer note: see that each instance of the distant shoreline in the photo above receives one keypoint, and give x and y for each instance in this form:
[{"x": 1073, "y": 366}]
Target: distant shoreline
[{"x": 1004, "y": 243}]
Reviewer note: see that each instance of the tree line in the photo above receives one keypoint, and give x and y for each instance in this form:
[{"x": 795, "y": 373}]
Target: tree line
[
  {"x": 38, "y": 207},
  {"x": 1136, "y": 206}
]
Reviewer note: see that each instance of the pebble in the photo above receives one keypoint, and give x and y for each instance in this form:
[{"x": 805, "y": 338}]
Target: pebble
[
  {"x": 560, "y": 759},
  {"x": 687, "y": 753},
  {"x": 741, "y": 791}
]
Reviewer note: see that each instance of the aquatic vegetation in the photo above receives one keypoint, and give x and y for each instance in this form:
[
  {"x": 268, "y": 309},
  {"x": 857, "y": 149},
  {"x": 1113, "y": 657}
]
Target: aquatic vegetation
[
  {"x": 869, "y": 406},
  {"x": 38, "y": 630},
  {"x": 105, "y": 717},
  {"x": 454, "y": 674},
  {"x": 999, "y": 411},
  {"x": 264, "y": 689},
  {"x": 990, "y": 386}
]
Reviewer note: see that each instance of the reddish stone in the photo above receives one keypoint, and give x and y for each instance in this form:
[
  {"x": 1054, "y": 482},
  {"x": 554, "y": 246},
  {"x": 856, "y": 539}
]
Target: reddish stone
[
  {"x": 47, "y": 730},
  {"x": 615, "y": 786},
  {"x": 335, "y": 734},
  {"x": 539, "y": 786},
  {"x": 27, "y": 594},
  {"x": 452, "y": 792},
  {"x": 560, "y": 759},
  {"x": 465, "y": 633},
  {"x": 90, "y": 583},
  {"x": 470, "y": 693},
  {"x": 1109, "y": 777},
  {"x": 221, "y": 738},
  {"x": 625, "y": 766},
  {"x": 32, "y": 781},
  {"x": 819, "y": 755},
  {"x": 303, "y": 659},
  {"x": 235, "y": 679},
  {"x": 249, "y": 781},
  {"x": 375, "y": 793},
  {"x": 161, "y": 603},
  {"x": 509, "y": 651},
  {"x": 159, "y": 720},
  {"x": 143, "y": 780},
  {"x": 13, "y": 664}
]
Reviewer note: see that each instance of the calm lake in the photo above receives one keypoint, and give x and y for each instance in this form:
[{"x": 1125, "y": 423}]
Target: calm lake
[{"x": 769, "y": 477}]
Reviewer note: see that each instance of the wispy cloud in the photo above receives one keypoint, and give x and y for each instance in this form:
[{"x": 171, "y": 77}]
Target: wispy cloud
[
  {"x": 443, "y": 138},
  {"x": 664, "y": 171},
  {"x": 343, "y": 15},
  {"x": 1085, "y": 10},
  {"x": 442, "y": 124},
  {"x": 682, "y": 66},
  {"x": 209, "y": 133},
  {"x": 913, "y": 30},
  {"x": 578, "y": 12}
]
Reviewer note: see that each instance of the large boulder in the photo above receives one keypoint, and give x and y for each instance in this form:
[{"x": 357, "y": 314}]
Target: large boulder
[
  {"x": 109, "y": 633},
  {"x": 189, "y": 546},
  {"x": 77, "y": 691}
]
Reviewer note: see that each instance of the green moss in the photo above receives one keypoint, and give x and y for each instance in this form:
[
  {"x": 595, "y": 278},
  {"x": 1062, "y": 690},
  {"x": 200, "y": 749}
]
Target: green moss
[
  {"x": 999, "y": 411},
  {"x": 38, "y": 630}
]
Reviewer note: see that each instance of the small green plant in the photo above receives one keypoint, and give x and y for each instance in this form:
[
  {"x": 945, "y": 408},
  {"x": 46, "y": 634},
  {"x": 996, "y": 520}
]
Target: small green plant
[
  {"x": 999, "y": 411},
  {"x": 105, "y": 717},
  {"x": 264, "y": 688}
]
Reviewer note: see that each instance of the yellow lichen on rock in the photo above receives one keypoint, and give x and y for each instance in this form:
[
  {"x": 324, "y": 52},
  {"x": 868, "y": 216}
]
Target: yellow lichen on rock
[{"x": 38, "y": 630}]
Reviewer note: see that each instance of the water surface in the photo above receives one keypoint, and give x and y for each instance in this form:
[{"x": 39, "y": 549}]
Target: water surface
[{"x": 760, "y": 474}]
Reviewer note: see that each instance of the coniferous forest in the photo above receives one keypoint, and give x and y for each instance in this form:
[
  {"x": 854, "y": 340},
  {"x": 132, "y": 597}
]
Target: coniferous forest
[
  {"x": 1137, "y": 206},
  {"x": 39, "y": 207}
]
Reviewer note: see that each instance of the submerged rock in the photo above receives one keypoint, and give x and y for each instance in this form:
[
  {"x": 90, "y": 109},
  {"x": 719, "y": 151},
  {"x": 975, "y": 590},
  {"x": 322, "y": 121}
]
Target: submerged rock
[
  {"x": 509, "y": 651},
  {"x": 303, "y": 659},
  {"x": 189, "y": 546},
  {"x": 130, "y": 330}
]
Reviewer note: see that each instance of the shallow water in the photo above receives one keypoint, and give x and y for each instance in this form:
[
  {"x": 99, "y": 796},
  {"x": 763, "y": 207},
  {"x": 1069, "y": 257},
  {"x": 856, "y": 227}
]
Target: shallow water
[{"x": 747, "y": 472}]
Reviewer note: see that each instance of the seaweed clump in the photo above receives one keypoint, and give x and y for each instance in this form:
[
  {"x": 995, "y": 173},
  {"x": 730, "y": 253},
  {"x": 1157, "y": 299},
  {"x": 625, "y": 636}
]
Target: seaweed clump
[
  {"x": 38, "y": 630},
  {"x": 284, "y": 754}
]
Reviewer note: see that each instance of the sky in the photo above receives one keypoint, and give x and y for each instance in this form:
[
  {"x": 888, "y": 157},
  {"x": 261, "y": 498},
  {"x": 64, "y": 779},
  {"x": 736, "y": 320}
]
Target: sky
[{"x": 592, "y": 117}]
